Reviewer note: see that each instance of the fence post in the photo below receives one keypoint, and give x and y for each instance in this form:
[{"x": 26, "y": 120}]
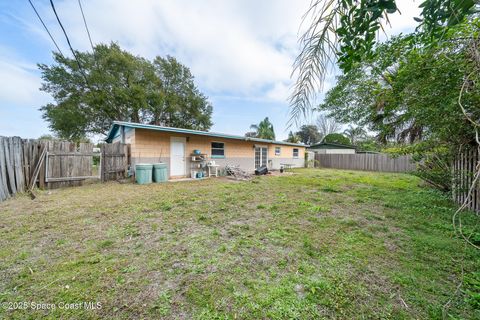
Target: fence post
[
  {"x": 464, "y": 167},
  {"x": 102, "y": 162}
]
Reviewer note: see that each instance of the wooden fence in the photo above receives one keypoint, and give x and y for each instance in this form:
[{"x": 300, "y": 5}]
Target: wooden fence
[
  {"x": 114, "y": 161},
  {"x": 68, "y": 164},
  {"x": 9, "y": 165},
  {"x": 54, "y": 164},
  {"x": 365, "y": 161},
  {"x": 463, "y": 174}
]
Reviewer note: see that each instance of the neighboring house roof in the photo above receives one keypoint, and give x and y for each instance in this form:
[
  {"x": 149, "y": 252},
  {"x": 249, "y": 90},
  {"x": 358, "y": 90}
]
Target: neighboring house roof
[
  {"x": 328, "y": 145},
  {"x": 117, "y": 124}
]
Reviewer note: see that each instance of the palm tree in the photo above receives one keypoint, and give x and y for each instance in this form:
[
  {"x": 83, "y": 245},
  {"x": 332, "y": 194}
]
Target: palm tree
[
  {"x": 263, "y": 130},
  {"x": 354, "y": 134},
  {"x": 292, "y": 137}
]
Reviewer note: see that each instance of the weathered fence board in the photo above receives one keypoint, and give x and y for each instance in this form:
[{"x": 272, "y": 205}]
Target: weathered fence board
[
  {"x": 114, "y": 161},
  {"x": 367, "y": 162},
  {"x": 18, "y": 158},
  {"x": 4, "y": 192},
  {"x": 10, "y": 164},
  {"x": 67, "y": 164},
  {"x": 63, "y": 164},
  {"x": 464, "y": 168}
]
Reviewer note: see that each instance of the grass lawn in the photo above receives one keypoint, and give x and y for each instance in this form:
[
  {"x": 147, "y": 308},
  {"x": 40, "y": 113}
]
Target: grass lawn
[{"x": 318, "y": 243}]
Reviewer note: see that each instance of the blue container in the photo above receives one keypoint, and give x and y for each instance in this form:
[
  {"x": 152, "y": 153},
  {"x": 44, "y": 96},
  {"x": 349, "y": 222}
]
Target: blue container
[
  {"x": 143, "y": 173},
  {"x": 160, "y": 172},
  {"x": 196, "y": 151}
]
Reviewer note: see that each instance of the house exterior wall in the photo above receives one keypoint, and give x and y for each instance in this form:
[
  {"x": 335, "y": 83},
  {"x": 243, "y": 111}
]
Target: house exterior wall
[
  {"x": 150, "y": 146},
  {"x": 285, "y": 157},
  {"x": 333, "y": 151}
]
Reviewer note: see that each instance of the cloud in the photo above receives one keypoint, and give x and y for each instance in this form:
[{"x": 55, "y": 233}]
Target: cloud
[
  {"x": 402, "y": 22},
  {"x": 20, "y": 82},
  {"x": 237, "y": 47},
  {"x": 279, "y": 92},
  {"x": 20, "y": 97}
]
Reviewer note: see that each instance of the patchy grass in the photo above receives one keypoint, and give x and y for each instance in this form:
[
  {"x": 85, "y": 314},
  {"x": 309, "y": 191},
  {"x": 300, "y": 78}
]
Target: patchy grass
[{"x": 319, "y": 243}]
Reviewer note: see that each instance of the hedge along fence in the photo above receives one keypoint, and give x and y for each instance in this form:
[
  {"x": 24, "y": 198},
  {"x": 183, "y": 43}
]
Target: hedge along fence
[
  {"x": 366, "y": 161},
  {"x": 465, "y": 166}
]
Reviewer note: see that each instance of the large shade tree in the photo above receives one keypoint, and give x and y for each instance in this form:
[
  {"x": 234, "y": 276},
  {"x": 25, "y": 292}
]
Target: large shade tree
[
  {"x": 309, "y": 134},
  {"x": 113, "y": 84},
  {"x": 336, "y": 138}
]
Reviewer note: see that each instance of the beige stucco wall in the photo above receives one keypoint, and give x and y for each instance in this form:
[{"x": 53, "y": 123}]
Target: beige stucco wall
[
  {"x": 151, "y": 146},
  {"x": 149, "y": 143},
  {"x": 285, "y": 151}
]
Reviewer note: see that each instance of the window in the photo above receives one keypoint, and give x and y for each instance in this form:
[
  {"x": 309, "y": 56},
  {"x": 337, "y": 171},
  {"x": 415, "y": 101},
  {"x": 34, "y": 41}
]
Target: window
[
  {"x": 277, "y": 151},
  {"x": 295, "y": 152},
  {"x": 218, "y": 150}
]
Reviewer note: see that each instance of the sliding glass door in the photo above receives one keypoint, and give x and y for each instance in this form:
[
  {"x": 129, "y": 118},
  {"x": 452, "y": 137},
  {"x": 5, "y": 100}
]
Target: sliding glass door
[{"x": 261, "y": 157}]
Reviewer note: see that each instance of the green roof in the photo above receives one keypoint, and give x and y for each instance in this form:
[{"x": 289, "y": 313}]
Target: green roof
[
  {"x": 328, "y": 145},
  {"x": 117, "y": 124}
]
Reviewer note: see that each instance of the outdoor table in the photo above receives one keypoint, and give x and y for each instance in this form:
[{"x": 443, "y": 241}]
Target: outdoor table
[{"x": 286, "y": 166}]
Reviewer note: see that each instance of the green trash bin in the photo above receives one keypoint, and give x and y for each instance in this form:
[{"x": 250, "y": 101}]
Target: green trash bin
[
  {"x": 143, "y": 173},
  {"x": 160, "y": 172}
]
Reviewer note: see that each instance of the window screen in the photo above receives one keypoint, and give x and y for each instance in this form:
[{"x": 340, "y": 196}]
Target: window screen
[
  {"x": 295, "y": 152},
  {"x": 218, "y": 149}
]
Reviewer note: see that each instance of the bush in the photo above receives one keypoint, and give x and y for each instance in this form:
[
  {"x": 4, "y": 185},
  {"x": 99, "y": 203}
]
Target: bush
[{"x": 336, "y": 138}]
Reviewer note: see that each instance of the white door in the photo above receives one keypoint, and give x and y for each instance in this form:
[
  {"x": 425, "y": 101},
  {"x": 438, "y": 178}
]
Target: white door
[{"x": 177, "y": 156}]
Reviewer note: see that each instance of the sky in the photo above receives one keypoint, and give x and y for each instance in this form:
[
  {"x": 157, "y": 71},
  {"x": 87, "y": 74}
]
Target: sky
[{"x": 241, "y": 52}]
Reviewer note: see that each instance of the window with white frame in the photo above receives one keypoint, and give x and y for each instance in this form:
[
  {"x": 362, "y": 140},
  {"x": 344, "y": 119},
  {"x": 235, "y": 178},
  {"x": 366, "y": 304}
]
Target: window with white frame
[
  {"x": 218, "y": 150},
  {"x": 295, "y": 152},
  {"x": 277, "y": 151}
]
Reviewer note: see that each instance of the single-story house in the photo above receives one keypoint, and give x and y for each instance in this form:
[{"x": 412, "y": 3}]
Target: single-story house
[
  {"x": 332, "y": 148},
  {"x": 176, "y": 147}
]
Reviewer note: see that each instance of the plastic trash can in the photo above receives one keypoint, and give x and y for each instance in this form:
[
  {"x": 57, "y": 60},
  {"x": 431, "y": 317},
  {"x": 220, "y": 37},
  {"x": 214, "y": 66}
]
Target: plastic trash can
[
  {"x": 160, "y": 172},
  {"x": 143, "y": 173}
]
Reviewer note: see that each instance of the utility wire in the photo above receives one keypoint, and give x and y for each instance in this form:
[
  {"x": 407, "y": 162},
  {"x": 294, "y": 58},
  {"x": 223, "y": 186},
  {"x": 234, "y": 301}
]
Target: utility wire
[
  {"x": 44, "y": 25},
  {"x": 68, "y": 41},
  {"x": 86, "y": 26}
]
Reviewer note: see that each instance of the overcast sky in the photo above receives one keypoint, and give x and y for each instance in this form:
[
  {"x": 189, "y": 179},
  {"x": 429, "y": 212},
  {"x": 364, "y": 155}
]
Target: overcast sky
[{"x": 241, "y": 52}]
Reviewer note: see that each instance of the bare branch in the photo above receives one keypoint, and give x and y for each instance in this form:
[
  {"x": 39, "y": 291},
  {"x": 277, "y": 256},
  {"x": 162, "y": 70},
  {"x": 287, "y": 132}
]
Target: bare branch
[{"x": 327, "y": 125}]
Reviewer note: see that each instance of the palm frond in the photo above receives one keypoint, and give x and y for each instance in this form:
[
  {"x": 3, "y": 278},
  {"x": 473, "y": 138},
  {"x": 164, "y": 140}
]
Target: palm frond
[{"x": 319, "y": 48}]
